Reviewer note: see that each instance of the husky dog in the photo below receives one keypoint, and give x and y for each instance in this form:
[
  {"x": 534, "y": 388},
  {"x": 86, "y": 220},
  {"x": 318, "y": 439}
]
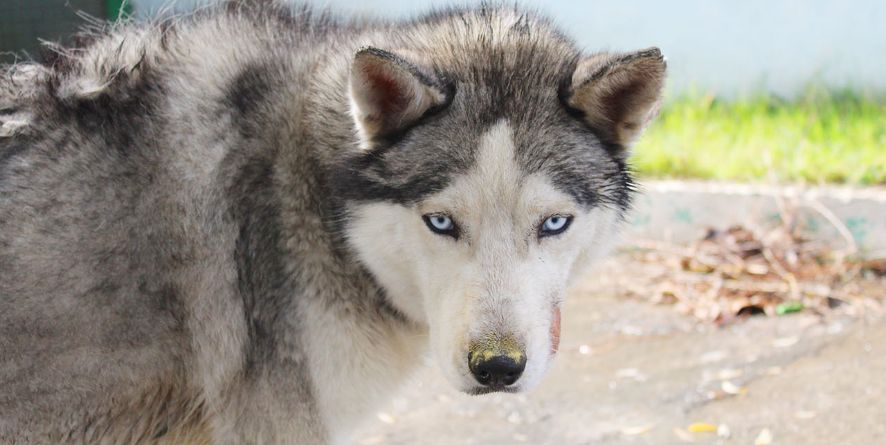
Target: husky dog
[{"x": 251, "y": 224}]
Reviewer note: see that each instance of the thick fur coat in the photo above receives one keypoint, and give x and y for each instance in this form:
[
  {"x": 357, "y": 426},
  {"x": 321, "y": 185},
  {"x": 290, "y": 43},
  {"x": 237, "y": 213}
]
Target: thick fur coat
[{"x": 195, "y": 213}]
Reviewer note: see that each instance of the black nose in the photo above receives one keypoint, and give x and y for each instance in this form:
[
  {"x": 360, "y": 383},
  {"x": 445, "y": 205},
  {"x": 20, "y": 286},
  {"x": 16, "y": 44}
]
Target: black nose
[{"x": 497, "y": 371}]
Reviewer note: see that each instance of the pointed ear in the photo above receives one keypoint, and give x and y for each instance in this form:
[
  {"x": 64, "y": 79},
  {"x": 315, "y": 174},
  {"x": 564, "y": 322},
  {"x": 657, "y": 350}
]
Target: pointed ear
[
  {"x": 389, "y": 94},
  {"x": 618, "y": 94}
]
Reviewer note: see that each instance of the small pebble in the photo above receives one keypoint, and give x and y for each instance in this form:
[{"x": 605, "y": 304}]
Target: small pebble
[{"x": 764, "y": 438}]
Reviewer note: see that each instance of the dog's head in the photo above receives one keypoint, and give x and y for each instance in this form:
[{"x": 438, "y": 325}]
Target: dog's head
[{"x": 488, "y": 177}]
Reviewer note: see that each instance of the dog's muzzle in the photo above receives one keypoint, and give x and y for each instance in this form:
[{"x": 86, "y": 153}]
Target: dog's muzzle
[{"x": 496, "y": 362}]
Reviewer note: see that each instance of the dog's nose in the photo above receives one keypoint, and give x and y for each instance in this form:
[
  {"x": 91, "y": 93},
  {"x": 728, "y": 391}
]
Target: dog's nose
[
  {"x": 496, "y": 362},
  {"x": 497, "y": 371}
]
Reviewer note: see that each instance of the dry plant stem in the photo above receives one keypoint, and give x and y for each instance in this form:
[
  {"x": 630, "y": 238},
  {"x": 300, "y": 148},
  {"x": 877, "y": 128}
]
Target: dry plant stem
[
  {"x": 851, "y": 246},
  {"x": 784, "y": 274}
]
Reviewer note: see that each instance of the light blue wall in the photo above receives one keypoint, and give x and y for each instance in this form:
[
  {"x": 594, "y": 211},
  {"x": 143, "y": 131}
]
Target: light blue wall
[{"x": 728, "y": 47}]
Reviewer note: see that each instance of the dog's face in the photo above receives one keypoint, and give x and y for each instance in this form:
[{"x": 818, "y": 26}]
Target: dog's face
[
  {"x": 485, "y": 263},
  {"x": 475, "y": 201}
]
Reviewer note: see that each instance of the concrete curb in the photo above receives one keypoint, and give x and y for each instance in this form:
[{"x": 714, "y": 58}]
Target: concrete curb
[{"x": 681, "y": 211}]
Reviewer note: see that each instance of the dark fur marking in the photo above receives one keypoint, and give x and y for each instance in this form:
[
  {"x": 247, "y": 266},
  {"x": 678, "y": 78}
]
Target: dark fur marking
[
  {"x": 122, "y": 118},
  {"x": 249, "y": 89},
  {"x": 246, "y": 96},
  {"x": 260, "y": 272},
  {"x": 9, "y": 150},
  {"x": 351, "y": 182},
  {"x": 165, "y": 298}
]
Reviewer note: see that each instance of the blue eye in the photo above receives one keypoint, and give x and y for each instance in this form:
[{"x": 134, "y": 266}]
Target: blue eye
[
  {"x": 441, "y": 224},
  {"x": 554, "y": 225}
]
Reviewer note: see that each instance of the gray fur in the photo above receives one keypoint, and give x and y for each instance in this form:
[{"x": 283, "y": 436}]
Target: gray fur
[{"x": 172, "y": 194}]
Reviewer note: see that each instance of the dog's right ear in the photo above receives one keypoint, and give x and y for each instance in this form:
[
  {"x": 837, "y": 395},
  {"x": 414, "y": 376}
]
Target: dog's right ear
[{"x": 389, "y": 94}]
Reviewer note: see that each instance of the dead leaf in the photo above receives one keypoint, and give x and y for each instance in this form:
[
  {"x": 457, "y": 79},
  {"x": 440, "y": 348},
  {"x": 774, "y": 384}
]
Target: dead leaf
[
  {"x": 701, "y": 427},
  {"x": 637, "y": 430}
]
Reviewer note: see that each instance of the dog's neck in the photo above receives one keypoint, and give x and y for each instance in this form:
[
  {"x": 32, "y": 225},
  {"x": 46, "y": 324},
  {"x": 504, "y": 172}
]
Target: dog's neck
[{"x": 344, "y": 334}]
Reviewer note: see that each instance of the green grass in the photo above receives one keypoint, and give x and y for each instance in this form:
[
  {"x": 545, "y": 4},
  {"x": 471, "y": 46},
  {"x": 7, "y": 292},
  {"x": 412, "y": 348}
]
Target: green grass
[{"x": 821, "y": 137}]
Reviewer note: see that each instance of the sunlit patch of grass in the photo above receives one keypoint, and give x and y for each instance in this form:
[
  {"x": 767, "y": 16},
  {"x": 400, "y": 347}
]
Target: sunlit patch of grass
[{"x": 823, "y": 136}]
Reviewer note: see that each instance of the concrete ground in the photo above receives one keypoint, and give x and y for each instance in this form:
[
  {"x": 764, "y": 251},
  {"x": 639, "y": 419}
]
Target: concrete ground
[{"x": 633, "y": 373}]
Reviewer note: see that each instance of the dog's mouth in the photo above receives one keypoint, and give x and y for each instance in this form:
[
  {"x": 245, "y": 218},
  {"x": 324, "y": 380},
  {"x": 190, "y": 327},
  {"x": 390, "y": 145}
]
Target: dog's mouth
[{"x": 481, "y": 390}]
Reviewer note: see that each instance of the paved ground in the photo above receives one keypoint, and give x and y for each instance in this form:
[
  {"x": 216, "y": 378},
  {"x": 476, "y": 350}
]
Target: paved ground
[{"x": 633, "y": 373}]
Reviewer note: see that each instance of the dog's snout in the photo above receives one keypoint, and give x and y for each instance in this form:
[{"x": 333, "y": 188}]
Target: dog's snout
[{"x": 496, "y": 363}]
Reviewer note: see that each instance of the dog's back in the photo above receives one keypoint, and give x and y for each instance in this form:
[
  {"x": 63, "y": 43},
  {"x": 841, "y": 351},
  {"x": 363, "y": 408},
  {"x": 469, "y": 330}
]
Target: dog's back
[{"x": 115, "y": 227}]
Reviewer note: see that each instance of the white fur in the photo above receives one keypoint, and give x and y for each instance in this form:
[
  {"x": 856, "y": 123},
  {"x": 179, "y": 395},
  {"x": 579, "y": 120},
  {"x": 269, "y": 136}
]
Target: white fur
[
  {"x": 357, "y": 367},
  {"x": 13, "y": 124}
]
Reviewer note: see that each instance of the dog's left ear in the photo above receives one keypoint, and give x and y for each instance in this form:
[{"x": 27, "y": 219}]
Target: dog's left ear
[
  {"x": 389, "y": 94},
  {"x": 617, "y": 94}
]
